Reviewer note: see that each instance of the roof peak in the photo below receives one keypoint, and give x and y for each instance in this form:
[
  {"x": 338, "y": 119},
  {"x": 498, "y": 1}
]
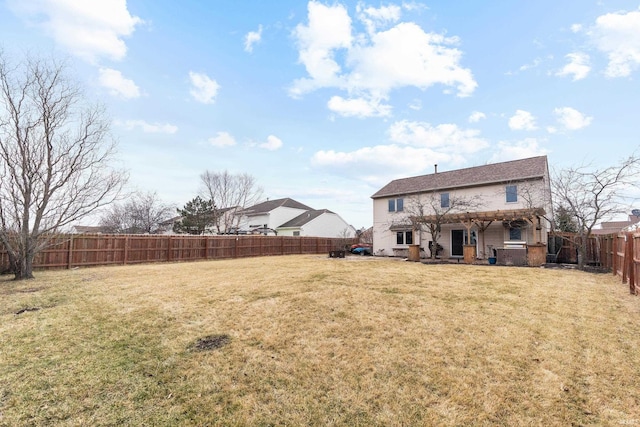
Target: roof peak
[{"x": 513, "y": 170}]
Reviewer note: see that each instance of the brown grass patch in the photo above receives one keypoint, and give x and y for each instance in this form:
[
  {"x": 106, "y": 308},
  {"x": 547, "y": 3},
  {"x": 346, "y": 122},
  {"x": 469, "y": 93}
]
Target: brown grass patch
[{"x": 319, "y": 341}]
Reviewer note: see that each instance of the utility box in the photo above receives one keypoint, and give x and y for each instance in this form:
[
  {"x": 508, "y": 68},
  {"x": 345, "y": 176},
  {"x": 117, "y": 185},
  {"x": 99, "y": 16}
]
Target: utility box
[{"x": 511, "y": 256}]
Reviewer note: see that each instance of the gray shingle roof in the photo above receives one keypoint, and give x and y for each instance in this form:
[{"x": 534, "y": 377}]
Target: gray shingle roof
[
  {"x": 304, "y": 218},
  {"x": 516, "y": 170},
  {"x": 270, "y": 205}
]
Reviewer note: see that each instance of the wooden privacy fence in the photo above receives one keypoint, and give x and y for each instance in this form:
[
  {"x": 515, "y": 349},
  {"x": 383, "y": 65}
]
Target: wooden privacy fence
[
  {"x": 81, "y": 250},
  {"x": 621, "y": 254}
]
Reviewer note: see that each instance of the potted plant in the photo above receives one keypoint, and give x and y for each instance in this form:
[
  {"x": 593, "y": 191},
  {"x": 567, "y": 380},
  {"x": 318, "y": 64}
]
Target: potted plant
[{"x": 492, "y": 255}]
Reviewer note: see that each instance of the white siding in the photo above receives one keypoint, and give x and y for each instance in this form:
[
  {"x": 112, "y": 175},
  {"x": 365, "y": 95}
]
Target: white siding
[
  {"x": 325, "y": 225},
  {"x": 273, "y": 219},
  {"x": 328, "y": 225},
  {"x": 491, "y": 197}
]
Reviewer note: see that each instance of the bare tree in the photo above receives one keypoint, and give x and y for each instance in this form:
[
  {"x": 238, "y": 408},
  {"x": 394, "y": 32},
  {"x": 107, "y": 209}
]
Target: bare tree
[
  {"x": 591, "y": 195},
  {"x": 365, "y": 235},
  {"x": 228, "y": 190},
  {"x": 142, "y": 213},
  {"x": 55, "y": 158},
  {"x": 429, "y": 212}
]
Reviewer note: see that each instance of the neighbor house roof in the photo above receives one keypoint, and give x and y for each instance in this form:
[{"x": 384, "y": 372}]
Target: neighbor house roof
[
  {"x": 304, "y": 218},
  {"x": 612, "y": 227},
  {"x": 270, "y": 205},
  {"x": 83, "y": 229},
  {"x": 516, "y": 170}
]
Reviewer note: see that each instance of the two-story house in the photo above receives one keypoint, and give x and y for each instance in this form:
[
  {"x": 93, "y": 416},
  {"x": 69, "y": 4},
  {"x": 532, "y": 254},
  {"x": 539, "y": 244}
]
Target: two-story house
[
  {"x": 484, "y": 208},
  {"x": 288, "y": 217}
]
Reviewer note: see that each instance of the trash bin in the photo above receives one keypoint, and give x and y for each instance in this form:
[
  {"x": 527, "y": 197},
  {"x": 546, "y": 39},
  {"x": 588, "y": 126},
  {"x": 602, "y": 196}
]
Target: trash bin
[{"x": 414, "y": 253}]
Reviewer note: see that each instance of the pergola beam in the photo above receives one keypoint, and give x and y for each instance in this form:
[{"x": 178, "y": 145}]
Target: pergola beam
[{"x": 478, "y": 217}]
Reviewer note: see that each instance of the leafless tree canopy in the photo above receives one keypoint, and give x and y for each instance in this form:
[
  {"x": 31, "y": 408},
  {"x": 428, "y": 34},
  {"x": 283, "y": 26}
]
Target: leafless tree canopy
[
  {"x": 426, "y": 212},
  {"x": 142, "y": 213},
  {"x": 229, "y": 191},
  {"x": 590, "y": 196},
  {"x": 55, "y": 157}
]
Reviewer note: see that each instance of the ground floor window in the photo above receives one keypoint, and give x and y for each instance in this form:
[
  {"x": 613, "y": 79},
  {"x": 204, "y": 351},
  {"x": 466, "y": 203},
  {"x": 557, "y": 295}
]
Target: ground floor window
[
  {"x": 404, "y": 237},
  {"x": 515, "y": 234}
]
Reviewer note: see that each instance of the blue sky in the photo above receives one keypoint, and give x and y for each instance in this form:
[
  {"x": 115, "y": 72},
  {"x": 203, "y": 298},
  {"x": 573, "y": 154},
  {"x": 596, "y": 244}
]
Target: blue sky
[{"x": 325, "y": 102}]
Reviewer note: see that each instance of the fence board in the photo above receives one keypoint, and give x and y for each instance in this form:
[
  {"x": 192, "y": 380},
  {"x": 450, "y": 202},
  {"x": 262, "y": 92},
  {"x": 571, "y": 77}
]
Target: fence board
[
  {"x": 80, "y": 250},
  {"x": 621, "y": 254}
]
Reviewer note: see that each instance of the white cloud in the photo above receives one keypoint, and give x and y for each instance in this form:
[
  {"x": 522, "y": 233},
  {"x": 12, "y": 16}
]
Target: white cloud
[
  {"x": 407, "y": 56},
  {"x": 147, "y": 127},
  {"x": 476, "y": 116},
  {"x": 536, "y": 62},
  {"x": 374, "y": 18},
  {"x": 412, "y": 145},
  {"x": 522, "y": 120},
  {"x": 204, "y": 89},
  {"x": 576, "y": 28},
  {"x": 358, "y": 107},
  {"x": 578, "y": 66},
  {"x": 273, "y": 143},
  {"x": 416, "y": 105},
  {"x": 117, "y": 84},
  {"x": 252, "y": 38},
  {"x": 222, "y": 139},
  {"x": 445, "y": 137},
  {"x": 329, "y": 28},
  {"x": 377, "y": 165},
  {"x": 572, "y": 119},
  {"x": 618, "y": 36},
  {"x": 528, "y": 147},
  {"x": 370, "y": 65},
  {"x": 88, "y": 29}
]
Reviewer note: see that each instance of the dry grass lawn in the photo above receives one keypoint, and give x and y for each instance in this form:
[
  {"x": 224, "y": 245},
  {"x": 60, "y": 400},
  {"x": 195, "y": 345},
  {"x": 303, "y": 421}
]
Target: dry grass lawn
[{"x": 313, "y": 341}]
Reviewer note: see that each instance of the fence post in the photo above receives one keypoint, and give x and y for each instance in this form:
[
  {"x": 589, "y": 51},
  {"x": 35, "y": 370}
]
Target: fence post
[
  {"x": 126, "y": 250},
  {"x": 614, "y": 255},
  {"x": 235, "y": 248},
  {"x": 206, "y": 247},
  {"x": 632, "y": 264},
  {"x": 70, "y": 253}
]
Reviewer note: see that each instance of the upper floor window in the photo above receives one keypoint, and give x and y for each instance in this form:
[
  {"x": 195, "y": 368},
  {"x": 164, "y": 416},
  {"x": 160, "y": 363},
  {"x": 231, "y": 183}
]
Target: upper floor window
[
  {"x": 444, "y": 200},
  {"x": 512, "y": 193},
  {"x": 396, "y": 205}
]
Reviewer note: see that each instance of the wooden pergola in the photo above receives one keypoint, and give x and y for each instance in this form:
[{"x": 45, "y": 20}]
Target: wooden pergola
[{"x": 482, "y": 220}]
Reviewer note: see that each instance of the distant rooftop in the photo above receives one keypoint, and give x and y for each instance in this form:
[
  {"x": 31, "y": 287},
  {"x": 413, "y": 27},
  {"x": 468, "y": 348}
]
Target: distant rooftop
[
  {"x": 270, "y": 205},
  {"x": 304, "y": 218}
]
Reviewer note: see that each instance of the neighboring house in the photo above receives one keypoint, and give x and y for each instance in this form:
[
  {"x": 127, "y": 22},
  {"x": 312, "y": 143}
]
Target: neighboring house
[
  {"x": 317, "y": 223},
  {"x": 270, "y": 214},
  {"x": 166, "y": 227},
  {"x": 227, "y": 222},
  {"x": 289, "y": 217},
  {"x": 612, "y": 227},
  {"x": 87, "y": 229},
  {"x": 509, "y": 201}
]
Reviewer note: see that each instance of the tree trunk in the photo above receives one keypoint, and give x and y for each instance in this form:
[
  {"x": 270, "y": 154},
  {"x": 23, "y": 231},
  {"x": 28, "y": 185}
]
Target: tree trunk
[
  {"x": 582, "y": 251},
  {"x": 23, "y": 266}
]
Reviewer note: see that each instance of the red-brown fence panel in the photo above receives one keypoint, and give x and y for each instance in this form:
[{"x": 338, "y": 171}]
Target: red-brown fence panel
[{"x": 79, "y": 250}]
